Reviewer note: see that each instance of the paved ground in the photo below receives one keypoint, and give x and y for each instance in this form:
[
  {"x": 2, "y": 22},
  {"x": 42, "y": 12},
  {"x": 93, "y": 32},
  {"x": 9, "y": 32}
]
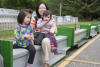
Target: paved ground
[{"x": 89, "y": 57}]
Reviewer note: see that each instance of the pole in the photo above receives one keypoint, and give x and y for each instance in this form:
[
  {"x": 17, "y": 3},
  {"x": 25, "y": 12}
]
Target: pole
[
  {"x": 75, "y": 23},
  {"x": 60, "y": 9}
]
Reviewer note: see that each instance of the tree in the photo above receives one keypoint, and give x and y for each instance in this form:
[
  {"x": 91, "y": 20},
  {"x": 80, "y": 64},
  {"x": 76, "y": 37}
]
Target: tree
[
  {"x": 54, "y": 6},
  {"x": 84, "y": 9},
  {"x": 19, "y": 4}
]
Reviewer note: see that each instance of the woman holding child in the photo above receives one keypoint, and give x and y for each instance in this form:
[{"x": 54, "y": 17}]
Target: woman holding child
[{"x": 41, "y": 7}]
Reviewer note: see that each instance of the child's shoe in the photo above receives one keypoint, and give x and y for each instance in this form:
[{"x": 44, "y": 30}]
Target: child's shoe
[
  {"x": 57, "y": 52},
  {"x": 29, "y": 65}
]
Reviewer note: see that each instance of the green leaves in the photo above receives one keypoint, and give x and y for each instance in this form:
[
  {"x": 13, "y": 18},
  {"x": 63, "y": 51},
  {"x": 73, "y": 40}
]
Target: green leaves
[
  {"x": 84, "y": 9},
  {"x": 18, "y": 4}
]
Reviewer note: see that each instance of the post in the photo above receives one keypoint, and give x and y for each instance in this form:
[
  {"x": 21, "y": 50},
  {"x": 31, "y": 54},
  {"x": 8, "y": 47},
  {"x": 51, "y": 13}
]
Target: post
[
  {"x": 75, "y": 22},
  {"x": 60, "y": 9}
]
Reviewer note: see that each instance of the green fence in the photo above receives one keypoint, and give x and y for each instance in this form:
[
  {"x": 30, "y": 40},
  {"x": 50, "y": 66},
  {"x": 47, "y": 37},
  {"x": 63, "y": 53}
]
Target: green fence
[
  {"x": 6, "y": 50},
  {"x": 69, "y": 32}
]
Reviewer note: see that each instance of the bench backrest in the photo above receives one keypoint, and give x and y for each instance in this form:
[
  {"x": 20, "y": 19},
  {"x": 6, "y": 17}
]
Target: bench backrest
[{"x": 6, "y": 50}]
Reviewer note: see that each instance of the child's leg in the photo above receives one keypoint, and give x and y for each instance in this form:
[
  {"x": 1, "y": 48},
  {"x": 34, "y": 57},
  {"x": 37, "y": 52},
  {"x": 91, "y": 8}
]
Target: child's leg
[
  {"x": 52, "y": 41},
  {"x": 32, "y": 52},
  {"x": 56, "y": 51},
  {"x": 55, "y": 43}
]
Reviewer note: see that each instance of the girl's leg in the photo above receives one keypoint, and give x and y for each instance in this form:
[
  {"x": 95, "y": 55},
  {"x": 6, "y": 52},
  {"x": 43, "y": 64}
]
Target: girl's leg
[
  {"x": 46, "y": 49},
  {"x": 32, "y": 52},
  {"x": 15, "y": 46}
]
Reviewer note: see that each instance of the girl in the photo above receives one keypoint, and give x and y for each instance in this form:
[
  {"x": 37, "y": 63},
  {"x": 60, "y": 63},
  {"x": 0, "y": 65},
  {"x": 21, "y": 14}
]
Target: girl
[
  {"x": 23, "y": 34},
  {"x": 46, "y": 22}
]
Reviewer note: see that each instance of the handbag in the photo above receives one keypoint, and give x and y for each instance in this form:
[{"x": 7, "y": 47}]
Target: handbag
[{"x": 38, "y": 37}]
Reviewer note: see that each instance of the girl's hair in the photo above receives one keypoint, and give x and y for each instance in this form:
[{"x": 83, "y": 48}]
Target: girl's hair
[
  {"x": 22, "y": 14},
  {"x": 37, "y": 8},
  {"x": 46, "y": 13}
]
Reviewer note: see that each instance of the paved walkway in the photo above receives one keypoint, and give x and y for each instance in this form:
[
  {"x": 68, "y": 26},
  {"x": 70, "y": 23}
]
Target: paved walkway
[{"x": 87, "y": 56}]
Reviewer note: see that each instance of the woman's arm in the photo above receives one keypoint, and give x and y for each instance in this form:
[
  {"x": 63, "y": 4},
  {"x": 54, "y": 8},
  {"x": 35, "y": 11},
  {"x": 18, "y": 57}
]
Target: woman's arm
[
  {"x": 45, "y": 29},
  {"x": 41, "y": 23},
  {"x": 55, "y": 32},
  {"x": 48, "y": 30}
]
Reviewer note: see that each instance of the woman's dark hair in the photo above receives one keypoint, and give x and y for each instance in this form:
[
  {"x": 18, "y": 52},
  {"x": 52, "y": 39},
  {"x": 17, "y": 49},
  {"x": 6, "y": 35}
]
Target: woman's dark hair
[
  {"x": 38, "y": 5},
  {"x": 22, "y": 14},
  {"x": 46, "y": 13}
]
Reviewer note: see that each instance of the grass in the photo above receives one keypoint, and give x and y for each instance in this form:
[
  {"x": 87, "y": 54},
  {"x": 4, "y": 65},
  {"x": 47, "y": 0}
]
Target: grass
[
  {"x": 9, "y": 34},
  {"x": 73, "y": 25}
]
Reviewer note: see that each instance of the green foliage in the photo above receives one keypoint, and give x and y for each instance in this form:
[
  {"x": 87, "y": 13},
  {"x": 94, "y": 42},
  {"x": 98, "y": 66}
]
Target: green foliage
[
  {"x": 84, "y": 9},
  {"x": 19, "y": 4}
]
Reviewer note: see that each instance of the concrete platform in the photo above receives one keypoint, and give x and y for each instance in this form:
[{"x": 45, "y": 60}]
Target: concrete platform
[{"x": 88, "y": 57}]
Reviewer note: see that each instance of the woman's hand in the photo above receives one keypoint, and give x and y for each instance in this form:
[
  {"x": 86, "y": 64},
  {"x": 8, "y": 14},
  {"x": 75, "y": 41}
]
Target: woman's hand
[
  {"x": 45, "y": 29},
  {"x": 55, "y": 32},
  {"x": 48, "y": 30}
]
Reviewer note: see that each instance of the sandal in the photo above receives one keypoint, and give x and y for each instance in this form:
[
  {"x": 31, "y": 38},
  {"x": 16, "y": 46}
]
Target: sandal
[{"x": 46, "y": 65}]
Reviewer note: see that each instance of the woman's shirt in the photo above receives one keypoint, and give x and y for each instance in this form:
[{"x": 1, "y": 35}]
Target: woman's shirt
[{"x": 19, "y": 33}]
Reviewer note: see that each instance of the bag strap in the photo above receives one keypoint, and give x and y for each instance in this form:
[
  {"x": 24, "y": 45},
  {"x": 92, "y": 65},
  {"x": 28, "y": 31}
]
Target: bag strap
[{"x": 36, "y": 20}]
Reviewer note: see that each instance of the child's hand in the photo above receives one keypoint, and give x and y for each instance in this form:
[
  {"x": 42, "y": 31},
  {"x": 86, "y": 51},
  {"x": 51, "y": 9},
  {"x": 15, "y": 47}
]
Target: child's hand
[
  {"x": 32, "y": 38},
  {"x": 45, "y": 21},
  {"x": 52, "y": 32},
  {"x": 28, "y": 37}
]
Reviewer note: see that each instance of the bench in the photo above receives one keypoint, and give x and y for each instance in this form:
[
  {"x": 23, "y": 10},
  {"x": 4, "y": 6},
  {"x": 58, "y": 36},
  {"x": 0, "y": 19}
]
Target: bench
[
  {"x": 79, "y": 34},
  {"x": 20, "y": 56},
  {"x": 1, "y": 61},
  {"x": 79, "y": 37},
  {"x": 93, "y": 31},
  {"x": 99, "y": 28}
]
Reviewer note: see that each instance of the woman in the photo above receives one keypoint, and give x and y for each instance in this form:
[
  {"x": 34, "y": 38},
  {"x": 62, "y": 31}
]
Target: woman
[{"x": 41, "y": 7}]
